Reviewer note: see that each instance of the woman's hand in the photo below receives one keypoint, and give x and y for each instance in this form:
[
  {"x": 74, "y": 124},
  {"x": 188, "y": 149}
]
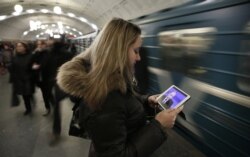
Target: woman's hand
[
  {"x": 152, "y": 100},
  {"x": 35, "y": 66},
  {"x": 167, "y": 117}
]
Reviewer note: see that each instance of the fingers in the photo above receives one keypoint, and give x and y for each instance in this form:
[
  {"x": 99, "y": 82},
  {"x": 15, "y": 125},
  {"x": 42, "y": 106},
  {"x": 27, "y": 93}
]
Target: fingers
[
  {"x": 168, "y": 117},
  {"x": 152, "y": 100},
  {"x": 156, "y": 96},
  {"x": 177, "y": 110}
]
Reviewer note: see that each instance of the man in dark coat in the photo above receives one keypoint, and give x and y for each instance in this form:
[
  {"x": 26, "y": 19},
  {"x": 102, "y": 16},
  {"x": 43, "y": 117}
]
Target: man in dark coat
[{"x": 58, "y": 55}]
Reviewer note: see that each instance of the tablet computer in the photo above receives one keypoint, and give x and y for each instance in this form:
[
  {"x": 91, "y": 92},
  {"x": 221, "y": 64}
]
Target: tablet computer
[{"x": 172, "y": 98}]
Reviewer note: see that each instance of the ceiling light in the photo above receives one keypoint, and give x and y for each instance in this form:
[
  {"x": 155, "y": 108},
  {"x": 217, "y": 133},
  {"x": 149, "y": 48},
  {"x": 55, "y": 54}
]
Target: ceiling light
[
  {"x": 16, "y": 13},
  {"x": 44, "y": 11},
  {"x": 43, "y": 26},
  {"x": 94, "y": 26},
  {"x": 18, "y": 8},
  {"x": 83, "y": 19},
  {"x": 34, "y": 25},
  {"x": 2, "y": 17},
  {"x": 57, "y": 36},
  {"x": 61, "y": 31},
  {"x": 25, "y": 33},
  {"x": 30, "y": 11},
  {"x": 71, "y": 15},
  {"x": 57, "y": 10}
]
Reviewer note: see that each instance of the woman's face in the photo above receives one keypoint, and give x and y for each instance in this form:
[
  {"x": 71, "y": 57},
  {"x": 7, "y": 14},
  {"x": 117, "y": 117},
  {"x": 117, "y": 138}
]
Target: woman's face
[
  {"x": 133, "y": 53},
  {"x": 20, "y": 48},
  {"x": 41, "y": 45}
]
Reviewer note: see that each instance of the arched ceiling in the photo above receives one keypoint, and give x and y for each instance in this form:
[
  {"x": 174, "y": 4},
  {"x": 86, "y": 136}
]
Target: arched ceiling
[{"x": 88, "y": 13}]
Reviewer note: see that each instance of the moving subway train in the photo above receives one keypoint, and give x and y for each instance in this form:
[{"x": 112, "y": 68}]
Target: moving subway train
[
  {"x": 201, "y": 46},
  {"x": 204, "y": 48}
]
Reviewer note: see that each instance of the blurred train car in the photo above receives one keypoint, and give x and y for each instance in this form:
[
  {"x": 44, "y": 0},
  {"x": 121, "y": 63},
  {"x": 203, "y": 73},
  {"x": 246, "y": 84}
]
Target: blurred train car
[{"x": 204, "y": 48}]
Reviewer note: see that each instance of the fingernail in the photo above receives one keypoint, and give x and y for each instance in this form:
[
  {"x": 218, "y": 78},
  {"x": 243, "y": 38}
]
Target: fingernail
[{"x": 182, "y": 107}]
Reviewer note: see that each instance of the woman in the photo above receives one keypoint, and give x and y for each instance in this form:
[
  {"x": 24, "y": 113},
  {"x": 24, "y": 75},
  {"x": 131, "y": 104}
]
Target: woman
[
  {"x": 21, "y": 75},
  {"x": 114, "y": 116}
]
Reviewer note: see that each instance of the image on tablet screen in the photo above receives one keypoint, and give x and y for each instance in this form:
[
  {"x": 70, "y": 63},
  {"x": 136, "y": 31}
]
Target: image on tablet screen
[{"x": 172, "y": 98}]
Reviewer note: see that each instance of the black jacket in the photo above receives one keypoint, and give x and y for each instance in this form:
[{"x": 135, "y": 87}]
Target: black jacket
[
  {"x": 21, "y": 74},
  {"x": 119, "y": 128}
]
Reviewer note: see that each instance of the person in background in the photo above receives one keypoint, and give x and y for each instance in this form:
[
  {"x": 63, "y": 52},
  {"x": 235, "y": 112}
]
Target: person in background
[
  {"x": 58, "y": 55},
  {"x": 7, "y": 54},
  {"x": 73, "y": 49},
  {"x": 103, "y": 76},
  {"x": 39, "y": 60},
  {"x": 21, "y": 74}
]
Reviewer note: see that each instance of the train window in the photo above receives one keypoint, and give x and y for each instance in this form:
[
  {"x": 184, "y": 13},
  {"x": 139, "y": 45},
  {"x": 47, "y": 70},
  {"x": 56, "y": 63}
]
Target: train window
[
  {"x": 83, "y": 42},
  {"x": 244, "y": 64},
  {"x": 181, "y": 49}
]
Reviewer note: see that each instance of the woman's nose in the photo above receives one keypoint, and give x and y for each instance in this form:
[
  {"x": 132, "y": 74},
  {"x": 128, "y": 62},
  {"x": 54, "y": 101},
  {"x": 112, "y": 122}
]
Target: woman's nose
[{"x": 138, "y": 57}]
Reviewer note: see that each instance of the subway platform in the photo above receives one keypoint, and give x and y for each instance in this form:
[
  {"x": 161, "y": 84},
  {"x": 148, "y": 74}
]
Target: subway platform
[{"x": 31, "y": 136}]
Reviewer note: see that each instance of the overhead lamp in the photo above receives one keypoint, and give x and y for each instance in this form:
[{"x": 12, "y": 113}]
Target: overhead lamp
[
  {"x": 94, "y": 26},
  {"x": 30, "y": 11},
  {"x": 71, "y": 15},
  {"x": 60, "y": 25},
  {"x": 2, "y": 17},
  {"x": 25, "y": 33},
  {"x": 44, "y": 10},
  {"x": 61, "y": 31},
  {"x": 43, "y": 26},
  {"x": 16, "y": 13},
  {"x": 57, "y": 10},
  {"x": 34, "y": 25},
  {"x": 83, "y": 19},
  {"x": 18, "y": 8}
]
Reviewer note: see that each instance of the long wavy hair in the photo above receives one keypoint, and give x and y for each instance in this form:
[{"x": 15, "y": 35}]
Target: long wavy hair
[{"x": 108, "y": 56}]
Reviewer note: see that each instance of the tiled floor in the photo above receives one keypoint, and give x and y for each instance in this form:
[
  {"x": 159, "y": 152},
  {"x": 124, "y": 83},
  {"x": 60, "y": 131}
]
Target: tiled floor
[{"x": 30, "y": 136}]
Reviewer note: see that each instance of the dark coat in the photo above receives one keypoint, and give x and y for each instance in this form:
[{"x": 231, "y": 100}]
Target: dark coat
[
  {"x": 119, "y": 128},
  {"x": 21, "y": 74},
  {"x": 57, "y": 55},
  {"x": 40, "y": 58},
  {"x": 49, "y": 59}
]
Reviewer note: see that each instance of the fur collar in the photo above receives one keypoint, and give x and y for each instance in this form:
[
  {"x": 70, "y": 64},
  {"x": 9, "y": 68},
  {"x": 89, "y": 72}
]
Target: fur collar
[{"x": 70, "y": 76}]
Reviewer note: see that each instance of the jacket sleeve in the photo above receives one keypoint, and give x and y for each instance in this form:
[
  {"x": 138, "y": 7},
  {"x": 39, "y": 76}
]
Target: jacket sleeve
[
  {"x": 108, "y": 131},
  {"x": 142, "y": 98},
  {"x": 149, "y": 138}
]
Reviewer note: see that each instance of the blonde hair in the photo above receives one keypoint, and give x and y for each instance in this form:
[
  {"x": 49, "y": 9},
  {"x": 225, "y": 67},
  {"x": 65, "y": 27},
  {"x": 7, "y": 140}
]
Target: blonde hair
[{"x": 108, "y": 56}]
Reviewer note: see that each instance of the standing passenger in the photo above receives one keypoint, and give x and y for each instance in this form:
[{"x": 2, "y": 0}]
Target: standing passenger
[
  {"x": 21, "y": 74},
  {"x": 103, "y": 76}
]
